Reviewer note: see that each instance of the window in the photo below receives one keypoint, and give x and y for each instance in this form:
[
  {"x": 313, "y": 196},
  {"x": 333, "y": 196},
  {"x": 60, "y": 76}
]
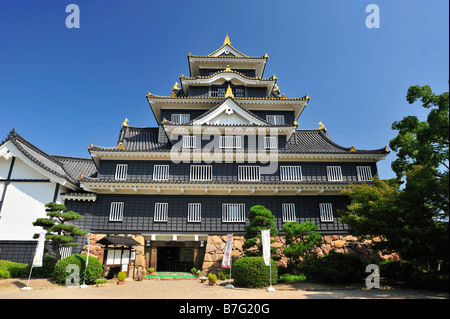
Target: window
[
  {"x": 161, "y": 172},
  {"x": 65, "y": 252},
  {"x": 334, "y": 173},
  {"x": 116, "y": 212},
  {"x": 288, "y": 212},
  {"x": 248, "y": 173},
  {"x": 180, "y": 118},
  {"x": 194, "y": 212},
  {"x": 189, "y": 141},
  {"x": 121, "y": 171},
  {"x": 161, "y": 212},
  {"x": 233, "y": 212},
  {"x": 364, "y": 173},
  {"x": 275, "y": 119},
  {"x": 230, "y": 142},
  {"x": 270, "y": 142},
  {"x": 201, "y": 173},
  {"x": 326, "y": 212},
  {"x": 291, "y": 173}
]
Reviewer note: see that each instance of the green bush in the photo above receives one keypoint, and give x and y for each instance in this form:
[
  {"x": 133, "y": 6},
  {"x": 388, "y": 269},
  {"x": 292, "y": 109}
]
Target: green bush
[
  {"x": 212, "y": 277},
  {"x": 253, "y": 272},
  {"x": 397, "y": 270},
  {"x": 15, "y": 270},
  {"x": 431, "y": 280},
  {"x": 334, "y": 268},
  {"x": 121, "y": 276},
  {"x": 94, "y": 270},
  {"x": 292, "y": 278},
  {"x": 4, "y": 274}
]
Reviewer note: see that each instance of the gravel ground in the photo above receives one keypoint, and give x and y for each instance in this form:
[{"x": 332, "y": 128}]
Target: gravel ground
[{"x": 193, "y": 289}]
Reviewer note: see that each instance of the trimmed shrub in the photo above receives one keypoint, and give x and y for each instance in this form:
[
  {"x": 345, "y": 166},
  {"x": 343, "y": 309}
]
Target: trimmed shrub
[
  {"x": 94, "y": 270},
  {"x": 15, "y": 270},
  {"x": 253, "y": 272},
  {"x": 334, "y": 268},
  {"x": 397, "y": 270},
  {"x": 121, "y": 276}
]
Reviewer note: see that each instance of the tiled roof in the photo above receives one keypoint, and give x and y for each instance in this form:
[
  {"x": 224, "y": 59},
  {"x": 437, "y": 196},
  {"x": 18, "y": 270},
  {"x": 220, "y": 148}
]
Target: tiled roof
[
  {"x": 65, "y": 167},
  {"x": 137, "y": 139},
  {"x": 118, "y": 241}
]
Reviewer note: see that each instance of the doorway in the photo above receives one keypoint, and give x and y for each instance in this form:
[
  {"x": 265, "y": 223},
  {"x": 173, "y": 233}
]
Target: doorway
[{"x": 167, "y": 258}]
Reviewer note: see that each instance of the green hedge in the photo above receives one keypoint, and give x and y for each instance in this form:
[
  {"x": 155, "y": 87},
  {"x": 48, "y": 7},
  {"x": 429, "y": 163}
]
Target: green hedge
[
  {"x": 10, "y": 269},
  {"x": 94, "y": 270},
  {"x": 334, "y": 268},
  {"x": 253, "y": 272}
]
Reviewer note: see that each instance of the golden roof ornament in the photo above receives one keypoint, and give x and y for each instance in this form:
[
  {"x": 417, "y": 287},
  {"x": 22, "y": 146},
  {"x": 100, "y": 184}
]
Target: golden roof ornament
[
  {"x": 276, "y": 88},
  {"x": 120, "y": 147},
  {"x": 321, "y": 127},
  {"x": 175, "y": 86},
  {"x": 91, "y": 146},
  {"x": 229, "y": 92},
  {"x": 228, "y": 68},
  {"x": 227, "y": 40},
  {"x": 125, "y": 123},
  {"x": 353, "y": 149}
]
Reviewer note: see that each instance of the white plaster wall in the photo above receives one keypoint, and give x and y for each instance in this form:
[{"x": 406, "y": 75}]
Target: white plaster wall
[
  {"x": 4, "y": 167},
  {"x": 24, "y": 202}
]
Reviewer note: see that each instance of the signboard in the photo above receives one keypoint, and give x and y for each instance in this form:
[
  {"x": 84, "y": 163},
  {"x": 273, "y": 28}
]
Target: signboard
[{"x": 226, "y": 261}]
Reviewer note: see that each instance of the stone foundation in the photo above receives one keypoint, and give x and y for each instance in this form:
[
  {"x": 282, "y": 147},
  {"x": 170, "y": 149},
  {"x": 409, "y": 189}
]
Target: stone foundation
[{"x": 215, "y": 248}]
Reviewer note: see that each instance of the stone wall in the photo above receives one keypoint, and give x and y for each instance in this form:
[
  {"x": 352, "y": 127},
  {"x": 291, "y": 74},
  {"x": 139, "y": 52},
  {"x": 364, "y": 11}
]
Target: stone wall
[{"x": 215, "y": 248}]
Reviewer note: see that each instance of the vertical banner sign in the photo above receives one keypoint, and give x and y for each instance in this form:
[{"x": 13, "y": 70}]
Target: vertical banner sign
[
  {"x": 39, "y": 254},
  {"x": 226, "y": 261},
  {"x": 265, "y": 238}
]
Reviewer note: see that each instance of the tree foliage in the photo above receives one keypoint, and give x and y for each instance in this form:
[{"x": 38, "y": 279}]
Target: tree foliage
[
  {"x": 301, "y": 241},
  {"x": 60, "y": 233},
  {"x": 260, "y": 218}
]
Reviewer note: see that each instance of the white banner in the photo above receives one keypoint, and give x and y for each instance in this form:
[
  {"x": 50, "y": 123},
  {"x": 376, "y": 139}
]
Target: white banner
[
  {"x": 226, "y": 261},
  {"x": 39, "y": 254},
  {"x": 265, "y": 238}
]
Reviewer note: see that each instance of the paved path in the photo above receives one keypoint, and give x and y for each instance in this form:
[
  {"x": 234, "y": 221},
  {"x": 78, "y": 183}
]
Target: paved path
[{"x": 193, "y": 289}]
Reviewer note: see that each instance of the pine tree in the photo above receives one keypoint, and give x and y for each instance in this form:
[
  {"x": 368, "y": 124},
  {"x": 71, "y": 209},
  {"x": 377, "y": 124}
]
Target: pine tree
[
  {"x": 260, "y": 218},
  {"x": 60, "y": 233}
]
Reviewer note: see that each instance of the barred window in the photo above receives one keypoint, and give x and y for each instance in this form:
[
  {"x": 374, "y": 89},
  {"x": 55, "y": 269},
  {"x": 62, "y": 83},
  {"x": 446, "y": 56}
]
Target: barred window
[
  {"x": 275, "y": 119},
  {"x": 194, "y": 212},
  {"x": 121, "y": 171},
  {"x": 201, "y": 173},
  {"x": 326, "y": 212},
  {"x": 288, "y": 212},
  {"x": 161, "y": 172},
  {"x": 364, "y": 173},
  {"x": 270, "y": 142},
  {"x": 189, "y": 141},
  {"x": 291, "y": 173},
  {"x": 230, "y": 142},
  {"x": 180, "y": 118},
  {"x": 233, "y": 212},
  {"x": 249, "y": 173},
  {"x": 116, "y": 212},
  {"x": 334, "y": 173},
  {"x": 161, "y": 212},
  {"x": 65, "y": 252}
]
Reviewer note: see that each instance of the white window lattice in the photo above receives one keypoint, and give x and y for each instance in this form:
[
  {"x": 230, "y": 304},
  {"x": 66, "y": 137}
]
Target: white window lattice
[
  {"x": 121, "y": 171},
  {"x": 65, "y": 252},
  {"x": 230, "y": 142},
  {"x": 334, "y": 173},
  {"x": 194, "y": 212},
  {"x": 249, "y": 173},
  {"x": 161, "y": 172},
  {"x": 275, "y": 119},
  {"x": 364, "y": 173},
  {"x": 326, "y": 212},
  {"x": 201, "y": 173},
  {"x": 161, "y": 212},
  {"x": 180, "y": 118},
  {"x": 189, "y": 141},
  {"x": 288, "y": 212},
  {"x": 291, "y": 173},
  {"x": 233, "y": 212},
  {"x": 270, "y": 142},
  {"x": 116, "y": 212}
]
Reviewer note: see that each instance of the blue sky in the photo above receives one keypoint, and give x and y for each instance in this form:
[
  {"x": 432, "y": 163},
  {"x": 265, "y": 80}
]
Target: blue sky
[{"x": 63, "y": 88}]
